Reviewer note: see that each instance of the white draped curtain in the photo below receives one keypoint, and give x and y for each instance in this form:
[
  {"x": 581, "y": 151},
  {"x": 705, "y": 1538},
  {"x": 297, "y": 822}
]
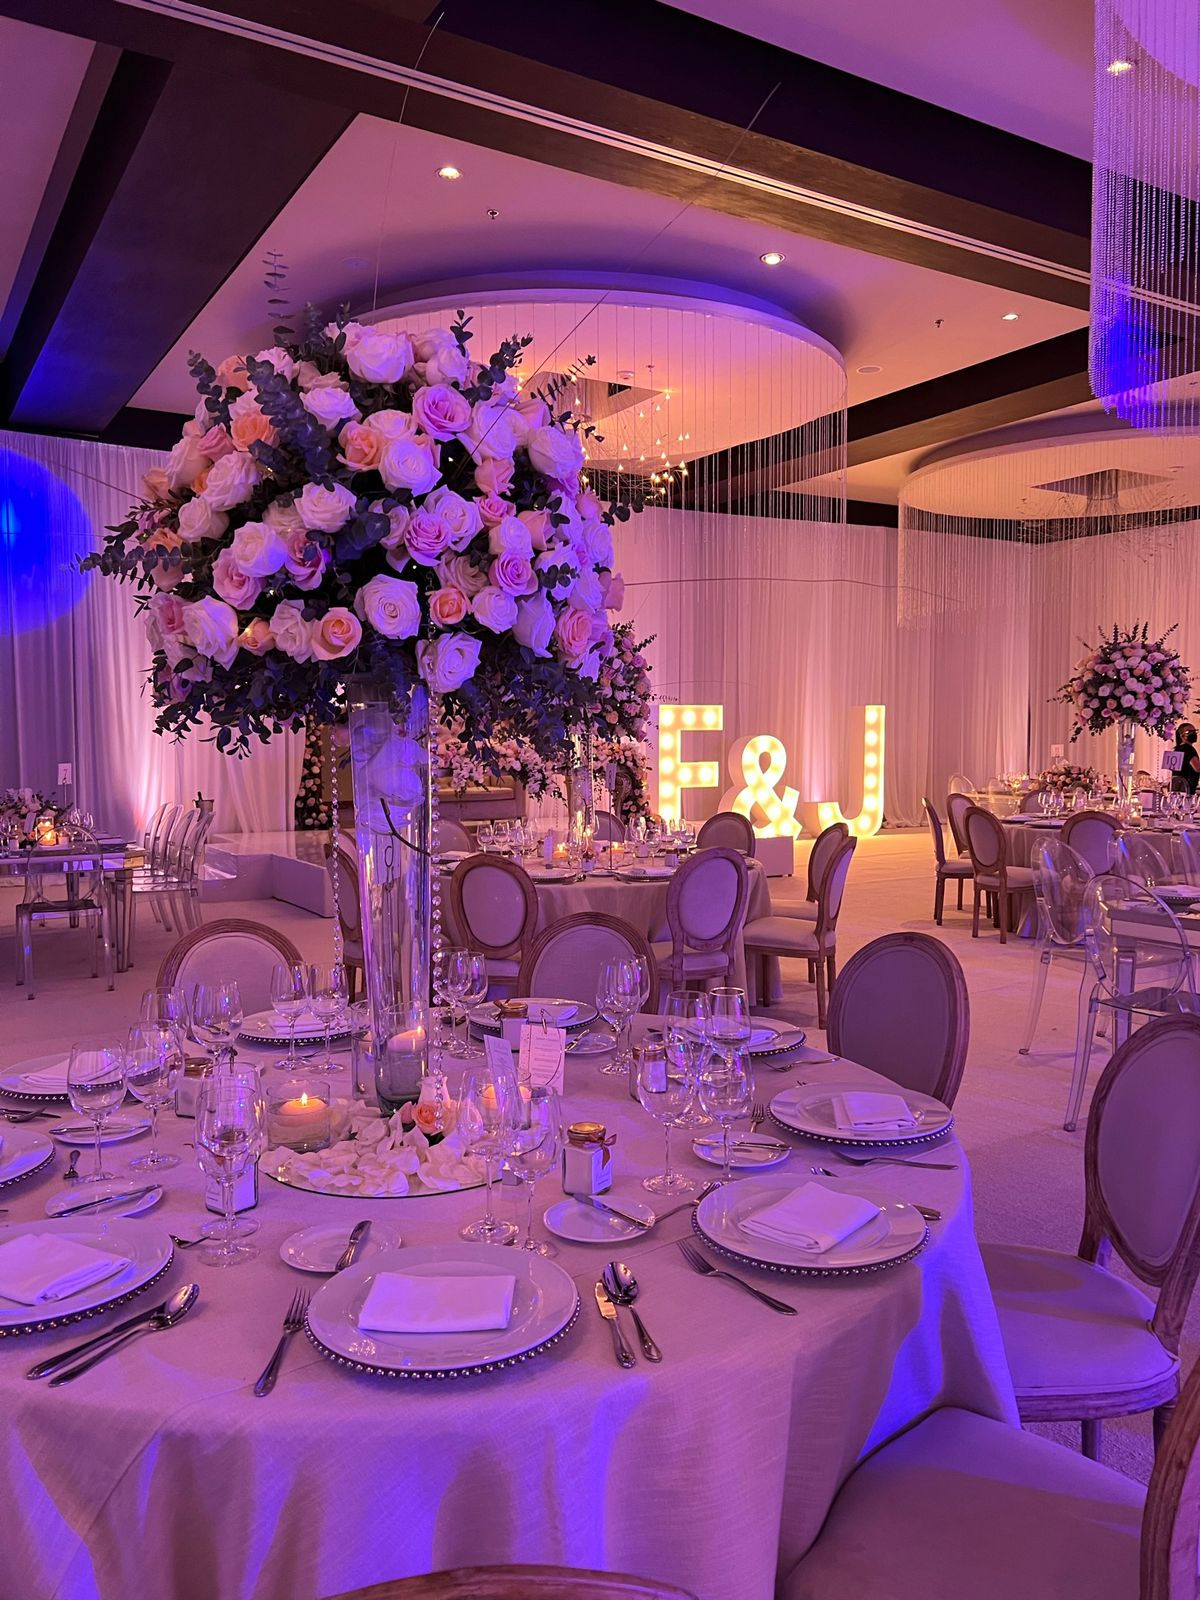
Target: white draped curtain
[{"x": 73, "y": 656}]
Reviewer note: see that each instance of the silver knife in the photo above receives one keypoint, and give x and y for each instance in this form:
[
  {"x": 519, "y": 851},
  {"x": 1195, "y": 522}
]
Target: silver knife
[
  {"x": 358, "y": 1237},
  {"x": 614, "y": 1211},
  {"x": 107, "y": 1200},
  {"x": 608, "y": 1311}
]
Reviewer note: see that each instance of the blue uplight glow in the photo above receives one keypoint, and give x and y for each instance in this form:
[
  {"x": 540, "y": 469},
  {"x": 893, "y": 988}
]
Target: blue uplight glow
[{"x": 43, "y": 530}]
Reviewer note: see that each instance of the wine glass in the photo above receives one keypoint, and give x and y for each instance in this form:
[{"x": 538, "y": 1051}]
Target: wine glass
[
  {"x": 329, "y": 995},
  {"x": 230, "y": 1131},
  {"x": 688, "y": 1018},
  {"x": 727, "y": 1092},
  {"x": 502, "y": 834},
  {"x": 289, "y": 996},
  {"x": 216, "y": 1012},
  {"x": 153, "y": 1064},
  {"x": 488, "y": 1118},
  {"x": 166, "y": 1005},
  {"x": 467, "y": 983},
  {"x": 485, "y": 836},
  {"x": 731, "y": 1027},
  {"x": 666, "y": 1089},
  {"x": 618, "y": 998},
  {"x": 535, "y": 1150},
  {"x": 96, "y": 1086}
]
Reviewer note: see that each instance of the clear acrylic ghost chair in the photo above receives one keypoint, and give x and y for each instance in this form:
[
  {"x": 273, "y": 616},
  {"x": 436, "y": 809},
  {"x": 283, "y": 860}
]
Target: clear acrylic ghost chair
[
  {"x": 85, "y": 899},
  {"x": 567, "y": 958},
  {"x": 1141, "y": 964},
  {"x": 1060, "y": 880},
  {"x": 1132, "y": 856},
  {"x": 1187, "y": 853},
  {"x": 961, "y": 784},
  {"x": 1001, "y": 801}
]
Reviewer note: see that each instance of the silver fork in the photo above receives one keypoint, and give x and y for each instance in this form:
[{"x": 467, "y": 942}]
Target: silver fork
[
  {"x": 292, "y": 1323},
  {"x": 699, "y": 1263},
  {"x": 897, "y": 1161},
  {"x": 758, "y": 1115},
  {"x": 661, "y": 1216}
]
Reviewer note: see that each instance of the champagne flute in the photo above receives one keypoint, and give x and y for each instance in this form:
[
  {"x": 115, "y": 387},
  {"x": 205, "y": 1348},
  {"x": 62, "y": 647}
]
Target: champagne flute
[
  {"x": 727, "y": 1093},
  {"x": 96, "y": 1086},
  {"x": 536, "y": 1146},
  {"x": 666, "y": 1089},
  {"x": 230, "y": 1130},
  {"x": 216, "y": 1013},
  {"x": 329, "y": 995},
  {"x": 153, "y": 1065},
  {"x": 488, "y": 1119},
  {"x": 289, "y": 995}
]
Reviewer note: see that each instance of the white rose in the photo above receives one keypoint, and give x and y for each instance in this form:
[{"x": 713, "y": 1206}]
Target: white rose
[
  {"x": 447, "y": 661},
  {"x": 278, "y": 358},
  {"x": 231, "y": 480},
  {"x": 284, "y": 519},
  {"x": 556, "y": 452},
  {"x": 565, "y": 560},
  {"x": 391, "y": 606},
  {"x": 534, "y": 626},
  {"x": 527, "y": 416},
  {"x": 491, "y": 436},
  {"x": 461, "y": 515},
  {"x": 588, "y": 592},
  {"x": 199, "y": 520},
  {"x": 326, "y": 510},
  {"x": 258, "y": 549},
  {"x": 405, "y": 464},
  {"x": 211, "y": 627},
  {"x": 185, "y": 463},
  {"x": 379, "y": 357},
  {"x": 392, "y": 424},
  {"x": 494, "y": 609},
  {"x": 310, "y": 376},
  {"x": 512, "y": 536},
  {"x": 598, "y": 541},
  {"x": 437, "y": 357},
  {"x": 430, "y": 342},
  {"x": 331, "y": 404},
  {"x": 291, "y": 631}
]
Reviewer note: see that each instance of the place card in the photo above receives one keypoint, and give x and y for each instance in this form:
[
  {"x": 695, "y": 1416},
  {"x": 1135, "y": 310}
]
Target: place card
[
  {"x": 543, "y": 1058},
  {"x": 498, "y": 1053}
]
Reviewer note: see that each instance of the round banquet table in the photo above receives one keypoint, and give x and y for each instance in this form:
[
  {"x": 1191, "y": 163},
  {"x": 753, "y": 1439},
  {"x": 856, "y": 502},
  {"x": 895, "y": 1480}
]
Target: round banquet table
[
  {"x": 1024, "y": 837},
  {"x": 643, "y": 904},
  {"x": 160, "y": 1473}
]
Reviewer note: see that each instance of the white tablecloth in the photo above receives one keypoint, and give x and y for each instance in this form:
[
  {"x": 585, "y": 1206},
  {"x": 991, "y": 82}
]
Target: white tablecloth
[
  {"x": 161, "y": 1474},
  {"x": 1024, "y": 837}
]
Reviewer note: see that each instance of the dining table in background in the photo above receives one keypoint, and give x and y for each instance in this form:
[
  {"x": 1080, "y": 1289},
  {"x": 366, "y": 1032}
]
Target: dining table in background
[
  {"x": 1024, "y": 836},
  {"x": 161, "y": 1473},
  {"x": 117, "y": 861}
]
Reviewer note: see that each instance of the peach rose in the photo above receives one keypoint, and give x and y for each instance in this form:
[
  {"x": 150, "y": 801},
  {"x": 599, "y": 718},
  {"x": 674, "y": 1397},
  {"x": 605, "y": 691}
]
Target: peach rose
[
  {"x": 361, "y": 447},
  {"x": 283, "y": 517},
  {"x": 447, "y": 607},
  {"x": 231, "y": 374},
  {"x": 257, "y": 637},
  {"x": 492, "y": 510},
  {"x": 539, "y": 525},
  {"x": 494, "y": 477},
  {"x": 185, "y": 462},
  {"x": 155, "y": 485},
  {"x": 573, "y": 634},
  {"x": 166, "y": 575},
  {"x": 249, "y": 423},
  {"x": 335, "y": 634}
]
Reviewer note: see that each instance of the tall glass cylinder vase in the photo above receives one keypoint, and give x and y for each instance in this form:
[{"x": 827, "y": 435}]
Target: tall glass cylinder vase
[
  {"x": 1126, "y": 736},
  {"x": 390, "y": 769},
  {"x": 581, "y": 782}
]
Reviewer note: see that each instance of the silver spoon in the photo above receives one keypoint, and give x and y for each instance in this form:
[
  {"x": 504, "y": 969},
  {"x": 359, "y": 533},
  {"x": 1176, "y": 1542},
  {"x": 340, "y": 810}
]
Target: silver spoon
[
  {"x": 167, "y": 1315},
  {"x": 71, "y": 1175},
  {"x": 623, "y": 1289}
]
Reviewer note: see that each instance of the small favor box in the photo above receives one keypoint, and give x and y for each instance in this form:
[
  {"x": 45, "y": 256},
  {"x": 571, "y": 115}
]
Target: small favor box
[{"x": 587, "y": 1159}]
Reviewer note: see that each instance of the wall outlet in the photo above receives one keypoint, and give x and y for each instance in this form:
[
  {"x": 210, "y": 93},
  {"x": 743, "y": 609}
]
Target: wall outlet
[{"x": 64, "y": 772}]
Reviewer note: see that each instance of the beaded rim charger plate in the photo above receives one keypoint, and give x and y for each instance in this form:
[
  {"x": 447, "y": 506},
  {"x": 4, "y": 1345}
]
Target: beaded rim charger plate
[
  {"x": 23, "y": 1152},
  {"x": 148, "y": 1249},
  {"x": 808, "y": 1109}
]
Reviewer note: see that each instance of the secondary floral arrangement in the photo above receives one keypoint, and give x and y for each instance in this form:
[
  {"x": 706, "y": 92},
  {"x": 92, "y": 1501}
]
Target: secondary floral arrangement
[
  {"x": 623, "y": 766},
  {"x": 1067, "y": 775},
  {"x": 21, "y": 804},
  {"x": 359, "y": 501},
  {"x": 382, "y": 1156},
  {"x": 1128, "y": 677},
  {"x": 466, "y": 760}
]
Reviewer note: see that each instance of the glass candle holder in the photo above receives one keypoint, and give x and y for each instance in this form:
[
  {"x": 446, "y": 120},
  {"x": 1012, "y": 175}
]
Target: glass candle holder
[{"x": 298, "y": 1115}]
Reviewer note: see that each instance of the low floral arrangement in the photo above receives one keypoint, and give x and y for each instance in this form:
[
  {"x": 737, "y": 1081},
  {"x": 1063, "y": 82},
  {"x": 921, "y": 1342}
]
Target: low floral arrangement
[
  {"x": 20, "y": 804},
  {"x": 375, "y": 1155},
  {"x": 359, "y": 501},
  {"x": 1128, "y": 677},
  {"x": 1068, "y": 776}
]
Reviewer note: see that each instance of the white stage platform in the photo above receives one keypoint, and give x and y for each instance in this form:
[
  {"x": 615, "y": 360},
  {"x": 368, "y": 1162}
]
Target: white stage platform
[{"x": 269, "y": 866}]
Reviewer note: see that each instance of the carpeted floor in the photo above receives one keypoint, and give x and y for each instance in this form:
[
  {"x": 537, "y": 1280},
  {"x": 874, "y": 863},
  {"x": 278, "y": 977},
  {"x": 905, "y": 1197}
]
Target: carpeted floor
[{"x": 1028, "y": 1173}]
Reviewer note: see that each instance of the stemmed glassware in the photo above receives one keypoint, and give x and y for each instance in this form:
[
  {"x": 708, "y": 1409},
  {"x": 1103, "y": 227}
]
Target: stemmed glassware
[
  {"x": 289, "y": 996},
  {"x": 96, "y": 1086},
  {"x": 329, "y": 995},
  {"x": 502, "y": 834},
  {"x": 216, "y": 1013},
  {"x": 688, "y": 1018},
  {"x": 618, "y": 1000},
  {"x": 731, "y": 1028},
  {"x": 485, "y": 836},
  {"x": 230, "y": 1134},
  {"x": 166, "y": 1005},
  {"x": 727, "y": 1093},
  {"x": 153, "y": 1065},
  {"x": 535, "y": 1150},
  {"x": 666, "y": 1089},
  {"x": 467, "y": 986},
  {"x": 489, "y": 1115}
]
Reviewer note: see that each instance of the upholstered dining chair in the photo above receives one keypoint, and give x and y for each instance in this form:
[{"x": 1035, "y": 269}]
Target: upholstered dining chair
[
  {"x": 706, "y": 913},
  {"x": 824, "y": 847},
  {"x": 494, "y": 906},
  {"x": 608, "y": 827},
  {"x": 728, "y": 829},
  {"x": 1017, "y": 1518},
  {"x": 1004, "y": 885},
  {"x": 451, "y": 835},
  {"x": 519, "y": 1583},
  {"x": 1132, "y": 856},
  {"x": 814, "y": 942},
  {"x": 1060, "y": 879},
  {"x": 1089, "y": 833},
  {"x": 944, "y": 869},
  {"x": 566, "y": 958},
  {"x": 1082, "y": 1343},
  {"x": 900, "y": 1007},
  {"x": 957, "y": 806},
  {"x": 343, "y": 875},
  {"x": 230, "y": 948}
]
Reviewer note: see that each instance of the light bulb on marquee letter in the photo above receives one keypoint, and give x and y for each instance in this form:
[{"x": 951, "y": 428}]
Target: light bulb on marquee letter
[
  {"x": 675, "y": 772},
  {"x": 821, "y": 814}
]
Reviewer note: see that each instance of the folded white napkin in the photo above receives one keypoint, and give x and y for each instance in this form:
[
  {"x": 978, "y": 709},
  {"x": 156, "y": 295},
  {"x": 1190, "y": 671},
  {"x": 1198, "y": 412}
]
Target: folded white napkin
[
  {"x": 48, "y": 1080},
  {"x": 859, "y": 1109},
  {"x": 552, "y": 1014},
  {"x": 38, "y": 1267},
  {"x": 398, "y": 1302},
  {"x": 811, "y": 1217}
]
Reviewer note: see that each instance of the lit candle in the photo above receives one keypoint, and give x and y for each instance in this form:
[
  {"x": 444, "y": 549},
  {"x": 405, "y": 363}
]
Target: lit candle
[
  {"x": 410, "y": 1042},
  {"x": 300, "y": 1123}
]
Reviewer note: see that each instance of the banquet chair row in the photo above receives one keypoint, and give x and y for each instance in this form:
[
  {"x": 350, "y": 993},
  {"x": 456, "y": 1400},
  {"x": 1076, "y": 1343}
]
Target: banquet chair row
[
  {"x": 170, "y": 880},
  {"x": 809, "y": 932}
]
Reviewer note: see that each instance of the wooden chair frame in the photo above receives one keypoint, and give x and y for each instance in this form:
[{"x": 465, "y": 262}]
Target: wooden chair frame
[
  {"x": 813, "y": 886},
  {"x": 168, "y": 969},
  {"x": 515, "y": 949},
  {"x": 957, "y": 806},
  {"x": 1000, "y": 894},
  {"x": 724, "y": 819},
  {"x": 519, "y": 1583},
  {"x": 822, "y": 967},
  {"x": 949, "y": 1072},
  {"x": 1171, "y": 1520},
  {"x": 639, "y": 946},
  {"x": 724, "y": 940},
  {"x": 1073, "y": 822},
  {"x": 955, "y": 871}
]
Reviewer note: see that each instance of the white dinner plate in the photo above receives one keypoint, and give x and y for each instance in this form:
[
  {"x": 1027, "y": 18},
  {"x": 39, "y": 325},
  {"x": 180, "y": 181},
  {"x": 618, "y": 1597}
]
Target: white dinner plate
[
  {"x": 148, "y": 1249},
  {"x": 22, "y": 1152},
  {"x": 748, "y": 1158},
  {"x": 264, "y": 1027},
  {"x": 11, "y": 1084},
  {"x": 78, "y": 1194},
  {"x": 896, "y": 1233},
  {"x": 117, "y": 1128},
  {"x": 545, "y": 1304},
  {"x": 319, "y": 1248},
  {"x": 555, "y": 874},
  {"x": 641, "y": 874},
  {"x": 559, "y": 1013},
  {"x": 808, "y": 1109},
  {"x": 773, "y": 1038},
  {"x": 583, "y": 1224}
]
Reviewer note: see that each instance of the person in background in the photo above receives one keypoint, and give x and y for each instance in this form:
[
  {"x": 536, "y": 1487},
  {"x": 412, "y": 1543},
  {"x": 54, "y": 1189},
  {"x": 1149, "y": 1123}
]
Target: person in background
[{"x": 1185, "y": 780}]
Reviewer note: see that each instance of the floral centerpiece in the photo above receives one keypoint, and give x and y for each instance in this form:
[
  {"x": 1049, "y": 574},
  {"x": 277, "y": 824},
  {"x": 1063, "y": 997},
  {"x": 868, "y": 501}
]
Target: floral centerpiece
[
  {"x": 18, "y": 805},
  {"x": 1068, "y": 775}
]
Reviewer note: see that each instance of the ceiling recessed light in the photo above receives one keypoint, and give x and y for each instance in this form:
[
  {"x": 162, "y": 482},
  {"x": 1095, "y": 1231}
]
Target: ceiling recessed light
[
  {"x": 1010, "y": 316},
  {"x": 449, "y": 173},
  {"x": 772, "y": 258},
  {"x": 865, "y": 370},
  {"x": 1119, "y": 66}
]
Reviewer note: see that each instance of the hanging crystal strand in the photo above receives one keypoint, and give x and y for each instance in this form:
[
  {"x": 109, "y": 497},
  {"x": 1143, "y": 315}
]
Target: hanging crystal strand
[
  {"x": 436, "y": 935},
  {"x": 334, "y": 848}
]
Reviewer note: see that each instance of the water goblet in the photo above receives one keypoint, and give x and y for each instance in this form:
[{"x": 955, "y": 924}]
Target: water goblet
[
  {"x": 166, "y": 1005},
  {"x": 96, "y": 1086},
  {"x": 726, "y": 1087},
  {"x": 731, "y": 1027},
  {"x": 535, "y": 1150},
  {"x": 488, "y": 1119},
  {"x": 467, "y": 984},
  {"x": 153, "y": 1066},
  {"x": 502, "y": 835},
  {"x": 618, "y": 998},
  {"x": 485, "y": 836},
  {"x": 216, "y": 1013},
  {"x": 289, "y": 996},
  {"x": 230, "y": 1131},
  {"x": 666, "y": 1089},
  {"x": 688, "y": 1018},
  {"x": 329, "y": 994}
]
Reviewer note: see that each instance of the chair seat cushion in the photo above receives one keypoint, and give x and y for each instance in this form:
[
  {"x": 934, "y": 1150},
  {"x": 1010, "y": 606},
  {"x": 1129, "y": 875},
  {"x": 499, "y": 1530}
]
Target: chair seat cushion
[
  {"x": 964, "y": 1508},
  {"x": 954, "y": 868},
  {"x": 806, "y": 911},
  {"x": 696, "y": 963},
  {"x": 1018, "y": 878},
  {"x": 1072, "y": 1328},
  {"x": 787, "y": 935}
]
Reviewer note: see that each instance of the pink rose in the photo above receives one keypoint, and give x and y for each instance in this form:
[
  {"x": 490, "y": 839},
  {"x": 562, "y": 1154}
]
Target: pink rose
[
  {"x": 391, "y": 606},
  {"x": 462, "y": 573},
  {"x": 293, "y": 632},
  {"x": 231, "y": 374},
  {"x": 539, "y": 525},
  {"x": 513, "y": 573},
  {"x": 442, "y": 412},
  {"x": 325, "y": 510},
  {"x": 494, "y": 609},
  {"x": 447, "y": 607},
  {"x": 461, "y": 515},
  {"x": 215, "y": 442},
  {"x": 361, "y": 447},
  {"x": 426, "y": 537},
  {"x": 437, "y": 357},
  {"x": 233, "y": 584},
  {"x": 212, "y": 628},
  {"x": 310, "y": 376},
  {"x": 166, "y": 574},
  {"x": 534, "y": 626},
  {"x": 335, "y": 634},
  {"x": 614, "y": 592},
  {"x": 494, "y": 477},
  {"x": 528, "y": 415},
  {"x": 573, "y": 634},
  {"x": 406, "y": 464},
  {"x": 257, "y": 637},
  {"x": 448, "y": 661},
  {"x": 305, "y": 571},
  {"x": 588, "y": 593},
  {"x": 492, "y": 510}
]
